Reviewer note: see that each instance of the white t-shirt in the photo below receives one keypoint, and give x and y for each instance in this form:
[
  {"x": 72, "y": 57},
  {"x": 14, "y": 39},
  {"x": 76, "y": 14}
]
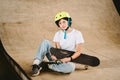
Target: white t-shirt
[{"x": 72, "y": 38}]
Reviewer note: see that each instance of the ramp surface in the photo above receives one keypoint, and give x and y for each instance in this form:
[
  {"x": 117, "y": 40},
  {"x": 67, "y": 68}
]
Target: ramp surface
[
  {"x": 25, "y": 23},
  {"x": 9, "y": 69}
]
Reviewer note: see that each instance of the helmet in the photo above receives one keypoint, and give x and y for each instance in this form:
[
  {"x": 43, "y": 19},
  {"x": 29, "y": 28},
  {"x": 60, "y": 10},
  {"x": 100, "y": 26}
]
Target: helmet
[{"x": 61, "y": 15}]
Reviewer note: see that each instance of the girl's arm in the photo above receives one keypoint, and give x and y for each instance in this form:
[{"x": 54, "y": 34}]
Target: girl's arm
[
  {"x": 57, "y": 45},
  {"x": 78, "y": 51},
  {"x": 75, "y": 55}
]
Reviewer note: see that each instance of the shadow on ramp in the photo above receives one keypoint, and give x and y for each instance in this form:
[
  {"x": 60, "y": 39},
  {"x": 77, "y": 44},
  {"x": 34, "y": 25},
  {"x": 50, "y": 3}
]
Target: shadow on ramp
[{"x": 9, "y": 69}]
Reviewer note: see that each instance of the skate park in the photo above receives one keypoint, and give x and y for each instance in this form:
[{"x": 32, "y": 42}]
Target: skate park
[{"x": 25, "y": 23}]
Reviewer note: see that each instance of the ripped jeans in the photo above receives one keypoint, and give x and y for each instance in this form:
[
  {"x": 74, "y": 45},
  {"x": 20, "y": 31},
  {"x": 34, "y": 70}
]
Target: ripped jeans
[{"x": 44, "y": 50}]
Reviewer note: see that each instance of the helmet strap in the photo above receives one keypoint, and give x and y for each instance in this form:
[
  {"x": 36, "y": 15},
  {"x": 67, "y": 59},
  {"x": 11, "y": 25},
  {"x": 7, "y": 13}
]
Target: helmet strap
[{"x": 64, "y": 34}]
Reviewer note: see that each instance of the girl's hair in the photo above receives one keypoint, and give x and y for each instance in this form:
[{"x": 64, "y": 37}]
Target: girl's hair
[{"x": 65, "y": 18}]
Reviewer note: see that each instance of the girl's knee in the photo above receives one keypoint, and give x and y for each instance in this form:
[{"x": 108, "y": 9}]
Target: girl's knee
[
  {"x": 64, "y": 67},
  {"x": 46, "y": 43},
  {"x": 70, "y": 67}
]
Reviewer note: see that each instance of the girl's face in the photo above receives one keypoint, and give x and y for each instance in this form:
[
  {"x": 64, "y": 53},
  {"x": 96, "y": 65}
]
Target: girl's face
[{"x": 63, "y": 24}]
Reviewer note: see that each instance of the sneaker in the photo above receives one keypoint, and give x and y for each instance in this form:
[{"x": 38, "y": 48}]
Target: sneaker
[{"x": 36, "y": 70}]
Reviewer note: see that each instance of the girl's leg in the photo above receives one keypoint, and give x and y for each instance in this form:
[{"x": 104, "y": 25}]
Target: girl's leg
[
  {"x": 63, "y": 67},
  {"x": 43, "y": 50}
]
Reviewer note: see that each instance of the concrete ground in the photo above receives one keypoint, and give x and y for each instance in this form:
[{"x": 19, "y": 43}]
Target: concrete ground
[{"x": 25, "y": 23}]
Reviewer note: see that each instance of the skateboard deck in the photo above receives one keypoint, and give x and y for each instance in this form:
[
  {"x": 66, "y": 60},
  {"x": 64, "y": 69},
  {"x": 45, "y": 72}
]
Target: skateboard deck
[{"x": 82, "y": 59}]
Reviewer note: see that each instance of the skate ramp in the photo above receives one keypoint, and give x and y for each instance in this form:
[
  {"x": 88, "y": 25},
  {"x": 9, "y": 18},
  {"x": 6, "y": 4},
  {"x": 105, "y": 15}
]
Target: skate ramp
[
  {"x": 25, "y": 23},
  {"x": 9, "y": 69}
]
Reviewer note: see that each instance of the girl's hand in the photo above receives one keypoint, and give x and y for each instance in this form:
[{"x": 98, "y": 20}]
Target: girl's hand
[
  {"x": 53, "y": 57},
  {"x": 68, "y": 59}
]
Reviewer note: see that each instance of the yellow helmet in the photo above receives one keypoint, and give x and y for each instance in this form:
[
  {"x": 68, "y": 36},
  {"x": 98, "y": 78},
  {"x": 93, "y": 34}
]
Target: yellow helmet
[{"x": 61, "y": 15}]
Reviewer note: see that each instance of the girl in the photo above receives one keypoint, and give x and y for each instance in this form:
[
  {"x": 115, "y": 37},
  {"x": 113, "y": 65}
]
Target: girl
[{"x": 66, "y": 38}]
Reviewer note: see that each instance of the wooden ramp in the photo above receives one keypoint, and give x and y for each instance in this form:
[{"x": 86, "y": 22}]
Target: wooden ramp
[{"x": 9, "y": 69}]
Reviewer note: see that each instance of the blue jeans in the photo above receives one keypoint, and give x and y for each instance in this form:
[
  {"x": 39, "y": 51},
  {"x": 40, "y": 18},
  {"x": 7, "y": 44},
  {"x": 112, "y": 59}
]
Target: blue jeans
[{"x": 44, "y": 50}]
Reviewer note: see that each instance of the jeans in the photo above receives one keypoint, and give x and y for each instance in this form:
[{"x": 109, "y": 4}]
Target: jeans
[{"x": 44, "y": 50}]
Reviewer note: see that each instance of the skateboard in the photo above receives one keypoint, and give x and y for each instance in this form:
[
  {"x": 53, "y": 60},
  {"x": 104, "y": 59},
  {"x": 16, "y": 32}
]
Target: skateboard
[{"x": 84, "y": 59}]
